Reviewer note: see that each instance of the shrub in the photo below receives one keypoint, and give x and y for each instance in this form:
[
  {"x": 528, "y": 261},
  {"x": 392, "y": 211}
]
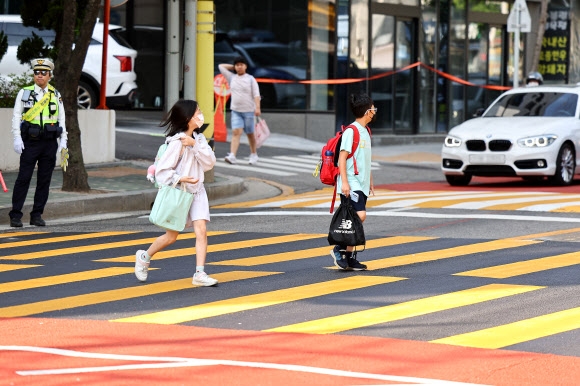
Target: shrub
[{"x": 10, "y": 85}]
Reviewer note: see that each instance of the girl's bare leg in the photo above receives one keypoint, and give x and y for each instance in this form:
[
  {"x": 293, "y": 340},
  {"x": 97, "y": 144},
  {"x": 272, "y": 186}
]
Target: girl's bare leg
[
  {"x": 199, "y": 227},
  {"x": 162, "y": 242}
]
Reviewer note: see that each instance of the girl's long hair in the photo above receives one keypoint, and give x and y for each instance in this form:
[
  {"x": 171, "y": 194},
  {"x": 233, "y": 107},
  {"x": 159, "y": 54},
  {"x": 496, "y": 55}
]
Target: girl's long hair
[{"x": 178, "y": 117}]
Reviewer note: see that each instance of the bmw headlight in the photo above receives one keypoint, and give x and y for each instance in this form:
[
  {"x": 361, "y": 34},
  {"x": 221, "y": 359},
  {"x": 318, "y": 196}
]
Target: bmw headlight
[
  {"x": 539, "y": 141},
  {"x": 452, "y": 141}
]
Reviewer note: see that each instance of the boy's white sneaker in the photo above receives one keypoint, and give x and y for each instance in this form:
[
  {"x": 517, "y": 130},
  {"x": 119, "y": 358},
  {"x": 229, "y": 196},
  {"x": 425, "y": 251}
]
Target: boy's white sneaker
[
  {"x": 141, "y": 267},
  {"x": 231, "y": 159},
  {"x": 202, "y": 279}
]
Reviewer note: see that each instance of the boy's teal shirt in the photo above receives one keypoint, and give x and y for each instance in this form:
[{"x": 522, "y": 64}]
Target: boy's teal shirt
[{"x": 363, "y": 156}]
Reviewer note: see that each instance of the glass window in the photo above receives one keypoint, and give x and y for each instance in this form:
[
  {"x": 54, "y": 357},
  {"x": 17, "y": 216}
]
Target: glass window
[
  {"x": 274, "y": 39},
  {"x": 17, "y": 32},
  {"x": 535, "y": 104}
]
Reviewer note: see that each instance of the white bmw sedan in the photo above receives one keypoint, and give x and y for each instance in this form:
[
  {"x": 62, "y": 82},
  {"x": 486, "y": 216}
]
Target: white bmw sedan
[{"x": 530, "y": 132}]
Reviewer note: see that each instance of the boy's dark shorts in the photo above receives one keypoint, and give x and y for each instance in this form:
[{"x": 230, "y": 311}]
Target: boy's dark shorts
[{"x": 361, "y": 205}]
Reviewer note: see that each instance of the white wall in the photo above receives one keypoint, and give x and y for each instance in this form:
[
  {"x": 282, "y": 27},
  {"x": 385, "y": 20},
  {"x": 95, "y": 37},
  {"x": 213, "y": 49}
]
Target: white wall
[{"x": 97, "y": 138}]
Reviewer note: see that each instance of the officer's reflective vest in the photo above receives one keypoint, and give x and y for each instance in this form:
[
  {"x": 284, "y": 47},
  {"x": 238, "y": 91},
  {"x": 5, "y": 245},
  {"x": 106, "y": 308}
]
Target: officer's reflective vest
[{"x": 51, "y": 106}]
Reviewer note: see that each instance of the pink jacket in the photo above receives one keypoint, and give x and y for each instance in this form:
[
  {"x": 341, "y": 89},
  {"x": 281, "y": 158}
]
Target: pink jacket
[{"x": 195, "y": 161}]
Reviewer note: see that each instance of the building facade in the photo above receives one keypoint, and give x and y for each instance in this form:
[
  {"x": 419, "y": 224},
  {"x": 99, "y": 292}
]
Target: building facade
[{"x": 428, "y": 64}]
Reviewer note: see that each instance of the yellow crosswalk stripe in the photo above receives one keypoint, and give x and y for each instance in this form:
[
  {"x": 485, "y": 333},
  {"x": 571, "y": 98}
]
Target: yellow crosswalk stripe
[
  {"x": 13, "y": 267},
  {"x": 406, "y": 310},
  {"x": 315, "y": 252},
  {"x": 446, "y": 253},
  {"x": 59, "y": 239},
  {"x": 518, "y": 332},
  {"x": 119, "y": 294},
  {"x": 95, "y": 247},
  {"x": 504, "y": 271},
  {"x": 266, "y": 201},
  {"x": 64, "y": 279},
  {"x": 250, "y": 243},
  {"x": 251, "y": 302},
  {"x": 20, "y": 234}
]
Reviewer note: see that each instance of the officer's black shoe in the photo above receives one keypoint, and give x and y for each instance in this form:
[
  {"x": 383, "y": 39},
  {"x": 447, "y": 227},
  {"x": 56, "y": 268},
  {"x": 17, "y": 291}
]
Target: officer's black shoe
[
  {"x": 16, "y": 223},
  {"x": 39, "y": 222}
]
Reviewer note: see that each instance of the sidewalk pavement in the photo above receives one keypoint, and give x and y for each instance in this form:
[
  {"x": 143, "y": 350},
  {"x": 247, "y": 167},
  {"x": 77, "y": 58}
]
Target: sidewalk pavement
[{"x": 120, "y": 188}]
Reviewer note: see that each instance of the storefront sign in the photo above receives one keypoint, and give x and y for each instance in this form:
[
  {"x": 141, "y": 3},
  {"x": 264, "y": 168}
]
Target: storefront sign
[{"x": 554, "y": 57}]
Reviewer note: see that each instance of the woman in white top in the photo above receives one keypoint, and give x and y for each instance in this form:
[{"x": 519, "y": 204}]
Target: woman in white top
[
  {"x": 187, "y": 157},
  {"x": 244, "y": 106}
]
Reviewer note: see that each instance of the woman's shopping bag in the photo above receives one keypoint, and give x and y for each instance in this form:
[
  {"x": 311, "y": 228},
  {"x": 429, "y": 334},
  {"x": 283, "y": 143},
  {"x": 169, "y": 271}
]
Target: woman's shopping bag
[
  {"x": 261, "y": 132},
  {"x": 346, "y": 227},
  {"x": 171, "y": 207}
]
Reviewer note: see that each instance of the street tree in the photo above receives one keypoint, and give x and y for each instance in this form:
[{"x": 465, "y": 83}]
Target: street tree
[
  {"x": 73, "y": 21},
  {"x": 540, "y": 36}
]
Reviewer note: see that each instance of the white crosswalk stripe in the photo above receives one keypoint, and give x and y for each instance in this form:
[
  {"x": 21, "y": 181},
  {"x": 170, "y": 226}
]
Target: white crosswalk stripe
[{"x": 280, "y": 165}]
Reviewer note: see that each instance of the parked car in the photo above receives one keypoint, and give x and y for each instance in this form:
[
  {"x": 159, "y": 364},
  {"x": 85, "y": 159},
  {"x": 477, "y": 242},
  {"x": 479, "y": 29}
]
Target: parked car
[
  {"x": 149, "y": 41},
  {"x": 277, "y": 61},
  {"x": 531, "y": 132},
  {"x": 121, "y": 87}
]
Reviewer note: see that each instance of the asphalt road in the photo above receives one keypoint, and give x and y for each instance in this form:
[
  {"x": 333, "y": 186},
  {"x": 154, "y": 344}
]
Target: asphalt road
[{"x": 459, "y": 284}]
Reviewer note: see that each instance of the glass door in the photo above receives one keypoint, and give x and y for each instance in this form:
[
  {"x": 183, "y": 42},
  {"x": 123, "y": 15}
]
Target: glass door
[{"x": 392, "y": 47}]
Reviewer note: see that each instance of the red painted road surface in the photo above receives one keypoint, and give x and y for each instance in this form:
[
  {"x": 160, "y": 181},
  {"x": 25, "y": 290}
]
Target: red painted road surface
[{"x": 35, "y": 351}]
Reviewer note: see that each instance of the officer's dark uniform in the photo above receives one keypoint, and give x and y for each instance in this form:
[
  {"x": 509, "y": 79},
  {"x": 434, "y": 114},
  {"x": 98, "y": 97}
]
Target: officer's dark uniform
[{"x": 39, "y": 135}]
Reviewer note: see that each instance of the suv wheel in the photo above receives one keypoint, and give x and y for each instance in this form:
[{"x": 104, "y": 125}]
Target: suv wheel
[{"x": 86, "y": 96}]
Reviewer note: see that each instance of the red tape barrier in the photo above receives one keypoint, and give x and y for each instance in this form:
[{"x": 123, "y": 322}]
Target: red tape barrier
[{"x": 385, "y": 74}]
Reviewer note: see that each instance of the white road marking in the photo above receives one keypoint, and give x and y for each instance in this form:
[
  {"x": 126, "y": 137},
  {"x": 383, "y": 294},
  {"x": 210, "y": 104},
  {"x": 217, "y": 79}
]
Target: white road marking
[
  {"x": 194, "y": 362},
  {"x": 465, "y": 205},
  {"x": 484, "y": 204},
  {"x": 395, "y": 213},
  {"x": 253, "y": 168}
]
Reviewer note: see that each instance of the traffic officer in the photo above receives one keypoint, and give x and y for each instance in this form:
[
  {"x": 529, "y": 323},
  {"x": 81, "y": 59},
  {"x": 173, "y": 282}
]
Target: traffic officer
[{"x": 39, "y": 131}]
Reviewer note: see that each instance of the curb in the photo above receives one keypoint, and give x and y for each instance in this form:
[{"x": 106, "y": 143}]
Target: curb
[{"x": 92, "y": 204}]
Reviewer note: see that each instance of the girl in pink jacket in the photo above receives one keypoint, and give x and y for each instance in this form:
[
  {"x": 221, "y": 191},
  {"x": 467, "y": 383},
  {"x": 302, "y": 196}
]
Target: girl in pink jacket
[{"x": 185, "y": 160}]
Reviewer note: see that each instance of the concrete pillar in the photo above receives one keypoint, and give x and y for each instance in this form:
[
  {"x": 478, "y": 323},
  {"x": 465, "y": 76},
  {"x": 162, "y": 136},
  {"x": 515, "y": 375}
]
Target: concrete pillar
[
  {"x": 172, "y": 56},
  {"x": 190, "y": 50}
]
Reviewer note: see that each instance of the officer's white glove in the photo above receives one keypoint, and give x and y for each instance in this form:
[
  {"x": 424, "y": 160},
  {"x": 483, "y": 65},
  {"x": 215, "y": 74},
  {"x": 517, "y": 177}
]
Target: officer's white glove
[
  {"x": 18, "y": 144},
  {"x": 62, "y": 145}
]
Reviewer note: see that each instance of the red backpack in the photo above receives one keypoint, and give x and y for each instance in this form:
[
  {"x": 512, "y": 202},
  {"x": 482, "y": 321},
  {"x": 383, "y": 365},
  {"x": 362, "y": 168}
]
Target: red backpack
[{"x": 328, "y": 164}]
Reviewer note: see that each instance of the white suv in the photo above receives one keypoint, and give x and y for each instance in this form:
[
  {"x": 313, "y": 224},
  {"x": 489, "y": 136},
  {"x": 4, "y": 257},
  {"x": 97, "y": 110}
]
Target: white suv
[{"x": 121, "y": 87}]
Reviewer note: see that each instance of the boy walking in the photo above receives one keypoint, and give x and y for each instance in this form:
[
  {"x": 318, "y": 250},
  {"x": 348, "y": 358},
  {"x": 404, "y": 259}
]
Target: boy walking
[{"x": 350, "y": 185}]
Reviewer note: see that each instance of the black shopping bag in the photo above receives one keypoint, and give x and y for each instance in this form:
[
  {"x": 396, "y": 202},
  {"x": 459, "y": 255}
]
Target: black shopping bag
[{"x": 346, "y": 228}]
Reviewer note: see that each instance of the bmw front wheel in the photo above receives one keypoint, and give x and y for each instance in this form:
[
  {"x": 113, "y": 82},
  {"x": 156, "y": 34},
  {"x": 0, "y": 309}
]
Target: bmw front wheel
[
  {"x": 463, "y": 180},
  {"x": 565, "y": 166}
]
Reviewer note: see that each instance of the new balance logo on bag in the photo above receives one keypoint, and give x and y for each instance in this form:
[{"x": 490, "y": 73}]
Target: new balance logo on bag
[
  {"x": 328, "y": 164},
  {"x": 345, "y": 224}
]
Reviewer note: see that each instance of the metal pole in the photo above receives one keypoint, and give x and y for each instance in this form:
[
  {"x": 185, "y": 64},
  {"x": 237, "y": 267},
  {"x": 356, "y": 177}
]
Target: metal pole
[
  {"x": 103, "y": 94},
  {"x": 189, "y": 50},
  {"x": 517, "y": 45},
  {"x": 172, "y": 70}
]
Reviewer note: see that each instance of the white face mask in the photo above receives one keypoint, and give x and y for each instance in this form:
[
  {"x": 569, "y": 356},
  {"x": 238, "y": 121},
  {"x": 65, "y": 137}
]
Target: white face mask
[{"x": 200, "y": 119}]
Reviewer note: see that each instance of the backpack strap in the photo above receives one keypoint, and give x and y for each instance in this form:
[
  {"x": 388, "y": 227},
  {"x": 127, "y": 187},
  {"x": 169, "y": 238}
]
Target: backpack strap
[
  {"x": 355, "y": 142},
  {"x": 333, "y": 199}
]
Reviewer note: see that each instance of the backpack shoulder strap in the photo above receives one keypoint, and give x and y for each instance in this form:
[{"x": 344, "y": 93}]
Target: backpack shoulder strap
[{"x": 355, "y": 142}]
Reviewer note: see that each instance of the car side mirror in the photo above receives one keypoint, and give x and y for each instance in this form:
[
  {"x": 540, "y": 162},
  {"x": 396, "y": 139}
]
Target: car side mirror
[{"x": 478, "y": 112}]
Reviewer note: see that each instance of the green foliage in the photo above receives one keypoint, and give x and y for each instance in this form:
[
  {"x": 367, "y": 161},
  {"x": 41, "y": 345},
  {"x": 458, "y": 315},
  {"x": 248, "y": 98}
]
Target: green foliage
[
  {"x": 34, "y": 47},
  {"x": 9, "y": 87},
  {"x": 3, "y": 44}
]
